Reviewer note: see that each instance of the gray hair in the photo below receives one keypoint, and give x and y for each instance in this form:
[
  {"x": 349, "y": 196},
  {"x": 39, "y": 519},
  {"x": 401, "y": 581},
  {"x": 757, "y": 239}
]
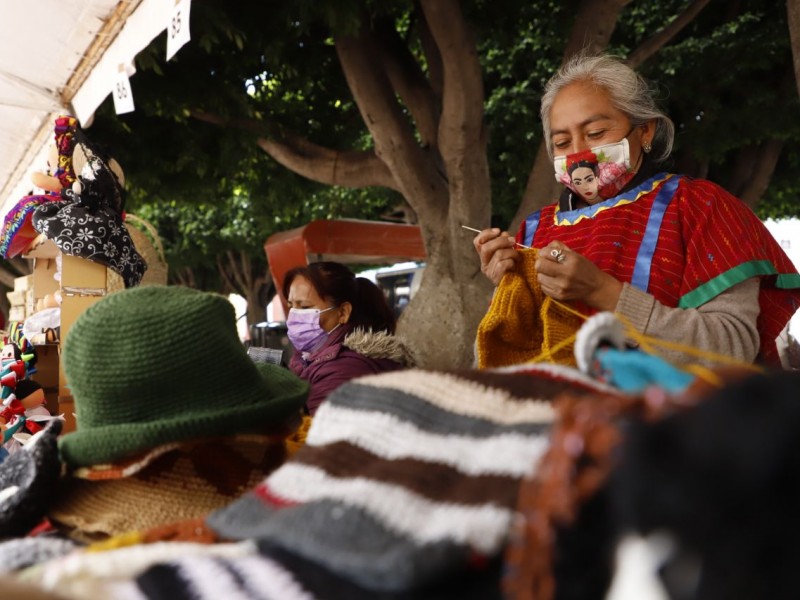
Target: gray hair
[{"x": 628, "y": 90}]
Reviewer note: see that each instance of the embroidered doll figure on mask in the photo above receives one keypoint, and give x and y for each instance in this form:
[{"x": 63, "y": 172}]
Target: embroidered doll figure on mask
[
  {"x": 583, "y": 176},
  {"x": 612, "y": 168}
]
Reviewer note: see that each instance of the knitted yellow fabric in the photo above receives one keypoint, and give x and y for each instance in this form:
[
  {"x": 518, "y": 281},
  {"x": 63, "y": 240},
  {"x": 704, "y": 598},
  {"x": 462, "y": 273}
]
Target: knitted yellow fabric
[
  {"x": 298, "y": 439},
  {"x": 524, "y": 324}
]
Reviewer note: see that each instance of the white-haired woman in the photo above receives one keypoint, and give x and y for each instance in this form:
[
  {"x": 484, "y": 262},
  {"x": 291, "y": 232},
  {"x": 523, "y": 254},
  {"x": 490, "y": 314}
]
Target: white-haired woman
[{"x": 679, "y": 258}]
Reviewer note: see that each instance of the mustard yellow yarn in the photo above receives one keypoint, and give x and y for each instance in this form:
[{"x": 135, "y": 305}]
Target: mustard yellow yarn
[
  {"x": 523, "y": 324},
  {"x": 298, "y": 439}
]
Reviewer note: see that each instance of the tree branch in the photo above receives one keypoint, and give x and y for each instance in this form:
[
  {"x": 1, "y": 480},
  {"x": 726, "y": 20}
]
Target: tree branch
[
  {"x": 769, "y": 153},
  {"x": 793, "y": 11},
  {"x": 247, "y": 269},
  {"x": 242, "y": 273},
  {"x": 223, "y": 271},
  {"x": 654, "y": 43},
  {"x": 462, "y": 135},
  {"x": 347, "y": 168},
  {"x": 461, "y": 127},
  {"x": 408, "y": 79},
  {"x": 432, "y": 56},
  {"x": 184, "y": 277},
  {"x": 541, "y": 188},
  {"x": 416, "y": 176},
  {"x": 594, "y": 23}
]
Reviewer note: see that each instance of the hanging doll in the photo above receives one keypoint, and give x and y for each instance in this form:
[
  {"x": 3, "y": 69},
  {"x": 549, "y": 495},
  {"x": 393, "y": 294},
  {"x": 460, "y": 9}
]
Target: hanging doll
[
  {"x": 18, "y": 232},
  {"x": 88, "y": 219}
]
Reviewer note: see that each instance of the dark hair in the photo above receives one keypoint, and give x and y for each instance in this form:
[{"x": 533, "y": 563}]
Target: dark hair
[
  {"x": 337, "y": 284},
  {"x": 582, "y": 163}
]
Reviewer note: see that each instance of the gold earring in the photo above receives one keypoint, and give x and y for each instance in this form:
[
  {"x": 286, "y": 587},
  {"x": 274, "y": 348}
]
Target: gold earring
[{"x": 646, "y": 147}]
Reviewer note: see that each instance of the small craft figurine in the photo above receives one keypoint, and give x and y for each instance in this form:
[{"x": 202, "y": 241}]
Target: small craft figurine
[
  {"x": 88, "y": 220},
  {"x": 22, "y": 400},
  {"x": 82, "y": 209},
  {"x": 18, "y": 232}
]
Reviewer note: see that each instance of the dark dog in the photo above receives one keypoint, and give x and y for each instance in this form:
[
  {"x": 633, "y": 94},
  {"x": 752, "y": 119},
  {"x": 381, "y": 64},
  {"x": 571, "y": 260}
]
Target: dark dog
[{"x": 722, "y": 482}]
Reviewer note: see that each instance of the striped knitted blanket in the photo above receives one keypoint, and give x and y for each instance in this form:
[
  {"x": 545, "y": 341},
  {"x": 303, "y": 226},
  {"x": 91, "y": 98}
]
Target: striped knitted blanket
[{"x": 407, "y": 477}]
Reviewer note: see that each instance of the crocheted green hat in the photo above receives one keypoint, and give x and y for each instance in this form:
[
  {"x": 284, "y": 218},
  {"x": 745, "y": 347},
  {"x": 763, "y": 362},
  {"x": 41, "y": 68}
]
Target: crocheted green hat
[{"x": 159, "y": 364}]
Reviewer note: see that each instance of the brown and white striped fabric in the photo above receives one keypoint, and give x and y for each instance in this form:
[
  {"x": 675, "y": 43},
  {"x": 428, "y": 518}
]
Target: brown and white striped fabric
[{"x": 408, "y": 476}]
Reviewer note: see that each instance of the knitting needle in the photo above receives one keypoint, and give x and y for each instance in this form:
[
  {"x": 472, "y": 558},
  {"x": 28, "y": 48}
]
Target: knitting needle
[{"x": 479, "y": 231}]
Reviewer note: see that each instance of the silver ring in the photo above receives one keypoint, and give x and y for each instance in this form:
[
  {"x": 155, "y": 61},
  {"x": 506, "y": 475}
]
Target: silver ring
[{"x": 558, "y": 255}]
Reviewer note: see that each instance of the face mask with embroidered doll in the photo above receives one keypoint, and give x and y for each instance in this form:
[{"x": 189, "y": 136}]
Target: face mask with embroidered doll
[{"x": 596, "y": 174}]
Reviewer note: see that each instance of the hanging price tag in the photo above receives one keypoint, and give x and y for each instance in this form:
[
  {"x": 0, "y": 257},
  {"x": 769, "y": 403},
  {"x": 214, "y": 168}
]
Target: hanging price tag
[
  {"x": 123, "y": 95},
  {"x": 178, "y": 27}
]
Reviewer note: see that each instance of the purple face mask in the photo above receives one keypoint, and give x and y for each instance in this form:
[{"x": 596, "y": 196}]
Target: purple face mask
[{"x": 304, "y": 330}]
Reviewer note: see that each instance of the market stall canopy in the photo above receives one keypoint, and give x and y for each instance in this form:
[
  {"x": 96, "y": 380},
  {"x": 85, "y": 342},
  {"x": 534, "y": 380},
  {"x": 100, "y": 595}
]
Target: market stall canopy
[{"x": 62, "y": 57}]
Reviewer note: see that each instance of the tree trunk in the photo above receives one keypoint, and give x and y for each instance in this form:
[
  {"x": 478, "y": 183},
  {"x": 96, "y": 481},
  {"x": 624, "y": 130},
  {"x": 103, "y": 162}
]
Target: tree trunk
[
  {"x": 793, "y": 11},
  {"x": 746, "y": 158},
  {"x": 445, "y": 179},
  {"x": 769, "y": 153},
  {"x": 242, "y": 277}
]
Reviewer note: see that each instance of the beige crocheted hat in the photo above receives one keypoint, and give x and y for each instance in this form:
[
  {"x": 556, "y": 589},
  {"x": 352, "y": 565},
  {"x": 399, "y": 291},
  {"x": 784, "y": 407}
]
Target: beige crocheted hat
[{"x": 169, "y": 484}]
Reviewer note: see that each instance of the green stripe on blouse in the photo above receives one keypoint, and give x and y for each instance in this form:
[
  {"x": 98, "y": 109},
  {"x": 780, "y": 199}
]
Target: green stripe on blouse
[{"x": 712, "y": 288}]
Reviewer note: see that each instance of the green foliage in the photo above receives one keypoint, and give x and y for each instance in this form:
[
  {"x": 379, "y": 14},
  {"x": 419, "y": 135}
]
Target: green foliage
[
  {"x": 208, "y": 188},
  {"x": 727, "y": 82},
  {"x": 520, "y": 47}
]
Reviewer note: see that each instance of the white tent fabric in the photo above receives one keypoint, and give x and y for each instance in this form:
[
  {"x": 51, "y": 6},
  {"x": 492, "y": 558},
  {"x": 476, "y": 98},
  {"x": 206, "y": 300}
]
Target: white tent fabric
[{"x": 61, "y": 57}]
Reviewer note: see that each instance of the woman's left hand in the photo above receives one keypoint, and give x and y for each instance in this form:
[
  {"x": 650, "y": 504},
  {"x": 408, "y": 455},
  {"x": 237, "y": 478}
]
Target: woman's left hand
[{"x": 564, "y": 274}]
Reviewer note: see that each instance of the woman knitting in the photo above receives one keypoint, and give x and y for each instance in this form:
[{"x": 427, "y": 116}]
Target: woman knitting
[
  {"x": 340, "y": 326},
  {"x": 680, "y": 259}
]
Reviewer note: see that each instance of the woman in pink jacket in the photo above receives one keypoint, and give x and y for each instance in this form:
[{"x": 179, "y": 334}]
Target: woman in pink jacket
[{"x": 340, "y": 326}]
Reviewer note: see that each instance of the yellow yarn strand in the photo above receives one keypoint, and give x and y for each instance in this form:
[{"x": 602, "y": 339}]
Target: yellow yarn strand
[
  {"x": 651, "y": 345},
  {"x": 549, "y": 352}
]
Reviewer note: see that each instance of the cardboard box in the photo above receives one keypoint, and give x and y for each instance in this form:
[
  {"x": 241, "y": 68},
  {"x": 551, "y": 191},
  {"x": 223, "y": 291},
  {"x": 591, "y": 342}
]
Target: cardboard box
[
  {"x": 84, "y": 277},
  {"x": 23, "y": 284},
  {"x": 71, "y": 308},
  {"x": 46, "y": 365},
  {"x": 42, "y": 248},
  {"x": 16, "y": 298},
  {"x": 66, "y": 407},
  {"x": 30, "y": 303},
  {"x": 44, "y": 281},
  {"x": 47, "y": 358},
  {"x": 82, "y": 283}
]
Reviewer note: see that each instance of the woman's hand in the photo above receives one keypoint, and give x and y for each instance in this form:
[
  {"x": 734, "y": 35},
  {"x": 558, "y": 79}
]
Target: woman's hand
[
  {"x": 498, "y": 253},
  {"x": 566, "y": 275}
]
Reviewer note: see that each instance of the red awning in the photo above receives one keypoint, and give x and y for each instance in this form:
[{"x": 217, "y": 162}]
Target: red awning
[{"x": 345, "y": 241}]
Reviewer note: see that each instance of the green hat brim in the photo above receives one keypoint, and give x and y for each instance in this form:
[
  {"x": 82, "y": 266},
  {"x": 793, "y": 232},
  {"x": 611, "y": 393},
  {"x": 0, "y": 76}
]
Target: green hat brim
[{"x": 284, "y": 394}]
